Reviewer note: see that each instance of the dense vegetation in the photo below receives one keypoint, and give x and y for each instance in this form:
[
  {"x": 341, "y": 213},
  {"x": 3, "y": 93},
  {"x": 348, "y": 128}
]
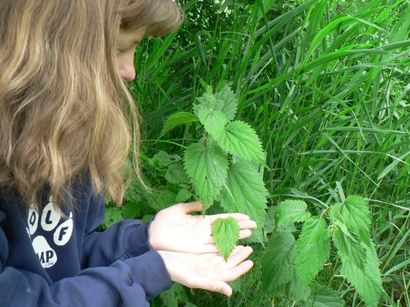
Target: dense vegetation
[{"x": 326, "y": 86}]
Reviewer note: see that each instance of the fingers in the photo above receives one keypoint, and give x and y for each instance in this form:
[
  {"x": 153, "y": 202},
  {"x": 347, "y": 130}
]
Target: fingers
[
  {"x": 192, "y": 207},
  {"x": 214, "y": 285},
  {"x": 208, "y": 248},
  {"x": 236, "y": 216},
  {"x": 243, "y": 220},
  {"x": 237, "y": 271},
  {"x": 239, "y": 254},
  {"x": 247, "y": 224}
]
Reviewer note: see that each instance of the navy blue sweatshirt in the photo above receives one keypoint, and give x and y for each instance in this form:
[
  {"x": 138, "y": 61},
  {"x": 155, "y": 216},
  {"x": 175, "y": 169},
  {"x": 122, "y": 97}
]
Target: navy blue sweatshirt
[{"x": 47, "y": 259}]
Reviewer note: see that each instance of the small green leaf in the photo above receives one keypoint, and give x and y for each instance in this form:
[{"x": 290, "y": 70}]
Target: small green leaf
[
  {"x": 245, "y": 192},
  {"x": 178, "y": 119},
  {"x": 277, "y": 261},
  {"x": 225, "y": 101},
  {"x": 213, "y": 120},
  {"x": 291, "y": 211},
  {"x": 323, "y": 297},
  {"x": 240, "y": 139},
  {"x": 182, "y": 196},
  {"x": 312, "y": 249},
  {"x": 161, "y": 199},
  {"x": 176, "y": 174},
  {"x": 225, "y": 233},
  {"x": 207, "y": 167}
]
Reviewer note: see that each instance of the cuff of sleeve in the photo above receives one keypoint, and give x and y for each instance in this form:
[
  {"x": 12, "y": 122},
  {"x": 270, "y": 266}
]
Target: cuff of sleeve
[
  {"x": 150, "y": 272},
  {"x": 135, "y": 240}
]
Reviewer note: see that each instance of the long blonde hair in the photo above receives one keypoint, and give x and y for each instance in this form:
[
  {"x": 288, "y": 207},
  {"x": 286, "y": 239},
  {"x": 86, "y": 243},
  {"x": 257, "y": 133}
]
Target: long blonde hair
[{"x": 64, "y": 110}]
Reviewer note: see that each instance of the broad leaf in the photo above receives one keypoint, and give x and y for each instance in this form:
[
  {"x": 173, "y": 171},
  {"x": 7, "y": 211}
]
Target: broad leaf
[
  {"x": 291, "y": 211},
  {"x": 240, "y": 139},
  {"x": 312, "y": 249},
  {"x": 213, "y": 120},
  {"x": 367, "y": 280},
  {"x": 277, "y": 261},
  {"x": 297, "y": 289},
  {"x": 346, "y": 240},
  {"x": 245, "y": 192},
  {"x": 176, "y": 174},
  {"x": 207, "y": 167},
  {"x": 225, "y": 233},
  {"x": 178, "y": 119},
  {"x": 351, "y": 236},
  {"x": 356, "y": 216},
  {"x": 324, "y": 297},
  {"x": 348, "y": 249},
  {"x": 224, "y": 101}
]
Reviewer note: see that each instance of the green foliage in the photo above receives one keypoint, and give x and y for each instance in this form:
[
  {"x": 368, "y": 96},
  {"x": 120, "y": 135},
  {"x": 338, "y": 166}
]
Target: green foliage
[
  {"x": 245, "y": 192},
  {"x": 239, "y": 187},
  {"x": 312, "y": 249},
  {"x": 225, "y": 233},
  {"x": 291, "y": 211},
  {"x": 325, "y": 86},
  {"x": 356, "y": 250},
  {"x": 323, "y": 297},
  {"x": 277, "y": 262},
  {"x": 296, "y": 262},
  {"x": 207, "y": 166}
]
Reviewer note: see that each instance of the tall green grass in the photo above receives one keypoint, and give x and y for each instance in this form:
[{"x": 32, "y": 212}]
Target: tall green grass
[{"x": 326, "y": 84}]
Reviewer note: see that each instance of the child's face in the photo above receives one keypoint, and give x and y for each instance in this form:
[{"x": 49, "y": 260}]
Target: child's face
[{"x": 127, "y": 42}]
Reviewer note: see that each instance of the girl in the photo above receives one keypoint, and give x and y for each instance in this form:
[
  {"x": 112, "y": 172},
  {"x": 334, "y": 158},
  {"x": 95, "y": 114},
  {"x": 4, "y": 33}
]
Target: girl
[{"x": 67, "y": 123}]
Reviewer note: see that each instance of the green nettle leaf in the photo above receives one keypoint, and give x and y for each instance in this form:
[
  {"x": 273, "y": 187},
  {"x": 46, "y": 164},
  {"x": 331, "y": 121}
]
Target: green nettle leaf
[
  {"x": 240, "y": 139},
  {"x": 225, "y": 233},
  {"x": 349, "y": 249},
  {"x": 277, "y": 261},
  {"x": 182, "y": 196},
  {"x": 346, "y": 239},
  {"x": 207, "y": 167},
  {"x": 297, "y": 289},
  {"x": 245, "y": 192},
  {"x": 324, "y": 297},
  {"x": 178, "y": 119},
  {"x": 351, "y": 236},
  {"x": 291, "y": 211},
  {"x": 312, "y": 249},
  {"x": 213, "y": 120},
  {"x": 367, "y": 280},
  {"x": 176, "y": 174},
  {"x": 225, "y": 101},
  {"x": 356, "y": 216}
]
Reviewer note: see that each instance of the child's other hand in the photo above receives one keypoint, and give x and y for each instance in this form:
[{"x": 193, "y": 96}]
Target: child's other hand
[
  {"x": 175, "y": 229},
  {"x": 208, "y": 271}
]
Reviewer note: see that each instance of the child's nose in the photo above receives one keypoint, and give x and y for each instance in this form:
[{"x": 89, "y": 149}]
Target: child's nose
[{"x": 127, "y": 72}]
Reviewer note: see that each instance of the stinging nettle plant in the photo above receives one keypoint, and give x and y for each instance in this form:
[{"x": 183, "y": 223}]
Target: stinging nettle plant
[
  {"x": 223, "y": 165},
  {"x": 290, "y": 265}
]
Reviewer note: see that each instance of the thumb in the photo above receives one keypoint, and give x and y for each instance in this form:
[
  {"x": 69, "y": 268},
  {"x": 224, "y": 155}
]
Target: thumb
[{"x": 193, "y": 206}]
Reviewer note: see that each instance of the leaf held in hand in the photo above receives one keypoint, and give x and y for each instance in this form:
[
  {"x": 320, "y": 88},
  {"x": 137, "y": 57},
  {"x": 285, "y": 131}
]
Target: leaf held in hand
[{"x": 225, "y": 233}]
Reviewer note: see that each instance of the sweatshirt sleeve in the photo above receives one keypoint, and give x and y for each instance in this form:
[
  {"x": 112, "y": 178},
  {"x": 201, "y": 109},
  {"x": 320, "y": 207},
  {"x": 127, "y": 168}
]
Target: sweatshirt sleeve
[
  {"x": 129, "y": 282},
  {"x": 125, "y": 239}
]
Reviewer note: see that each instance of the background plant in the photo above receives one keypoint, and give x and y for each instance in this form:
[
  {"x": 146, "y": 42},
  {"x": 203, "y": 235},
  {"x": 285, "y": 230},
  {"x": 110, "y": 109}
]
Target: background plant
[{"x": 325, "y": 84}]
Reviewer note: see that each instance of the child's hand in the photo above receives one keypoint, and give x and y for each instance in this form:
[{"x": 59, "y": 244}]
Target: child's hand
[
  {"x": 175, "y": 229},
  {"x": 208, "y": 271}
]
